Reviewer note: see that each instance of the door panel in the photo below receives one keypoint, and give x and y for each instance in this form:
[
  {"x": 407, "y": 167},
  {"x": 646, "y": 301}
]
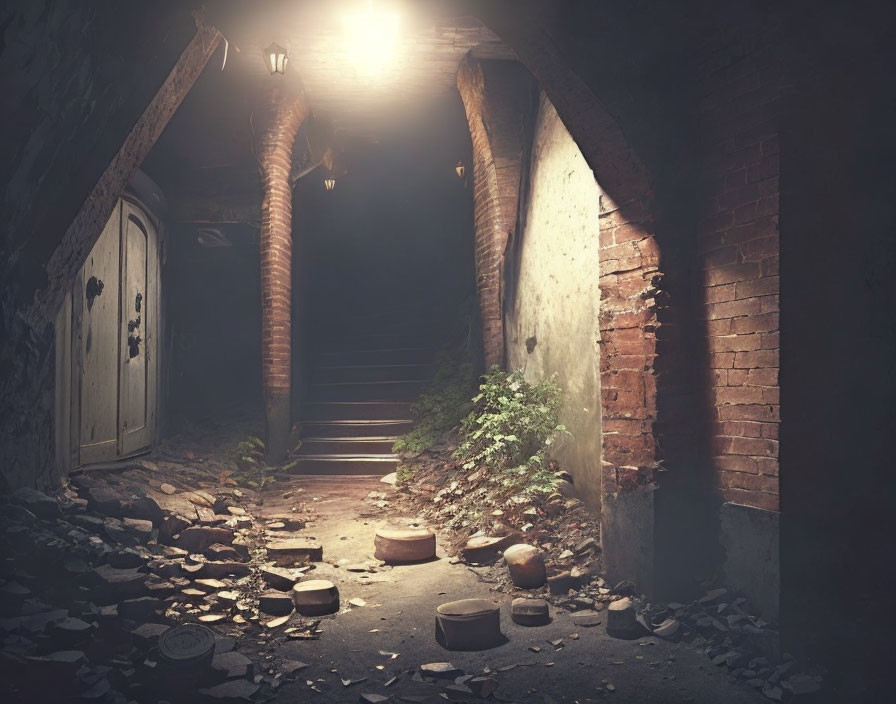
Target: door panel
[
  {"x": 138, "y": 336},
  {"x": 96, "y": 298}
]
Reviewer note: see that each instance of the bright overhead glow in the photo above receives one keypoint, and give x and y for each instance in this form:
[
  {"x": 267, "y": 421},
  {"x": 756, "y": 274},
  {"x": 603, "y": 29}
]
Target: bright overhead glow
[{"x": 371, "y": 38}]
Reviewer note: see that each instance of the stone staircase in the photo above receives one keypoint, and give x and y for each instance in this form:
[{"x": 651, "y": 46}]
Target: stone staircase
[{"x": 359, "y": 401}]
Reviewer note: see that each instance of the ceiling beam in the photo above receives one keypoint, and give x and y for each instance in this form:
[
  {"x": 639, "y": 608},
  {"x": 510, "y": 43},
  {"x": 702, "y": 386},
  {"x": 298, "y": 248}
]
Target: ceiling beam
[{"x": 84, "y": 230}]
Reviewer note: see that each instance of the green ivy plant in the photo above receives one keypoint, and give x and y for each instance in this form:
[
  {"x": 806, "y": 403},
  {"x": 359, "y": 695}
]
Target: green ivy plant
[
  {"x": 509, "y": 431},
  {"x": 442, "y": 405},
  {"x": 254, "y": 471}
]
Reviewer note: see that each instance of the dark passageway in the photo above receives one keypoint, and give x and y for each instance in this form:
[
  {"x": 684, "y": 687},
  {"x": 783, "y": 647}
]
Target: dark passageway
[{"x": 412, "y": 351}]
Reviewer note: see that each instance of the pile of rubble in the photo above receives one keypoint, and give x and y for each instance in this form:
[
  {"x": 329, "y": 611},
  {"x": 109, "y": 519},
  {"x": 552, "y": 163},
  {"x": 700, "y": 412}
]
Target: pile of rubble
[
  {"x": 92, "y": 579},
  {"x": 469, "y": 505},
  {"x": 557, "y": 539}
]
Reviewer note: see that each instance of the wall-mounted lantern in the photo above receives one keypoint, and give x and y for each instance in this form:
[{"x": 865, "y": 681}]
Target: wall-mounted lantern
[
  {"x": 459, "y": 169},
  {"x": 276, "y": 58},
  {"x": 329, "y": 183}
]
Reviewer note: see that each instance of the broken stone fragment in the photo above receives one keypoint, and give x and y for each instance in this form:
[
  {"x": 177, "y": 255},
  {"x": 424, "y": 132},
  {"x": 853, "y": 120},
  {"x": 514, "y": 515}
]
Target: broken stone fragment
[
  {"x": 561, "y": 583},
  {"x": 217, "y": 570},
  {"x": 371, "y": 698},
  {"x": 200, "y": 538},
  {"x": 315, "y": 597},
  {"x": 586, "y": 619},
  {"x": 289, "y": 667},
  {"x": 71, "y": 631},
  {"x": 586, "y": 545},
  {"x": 168, "y": 489},
  {"x": 210, "y": 585},
  {"x": 405, "y": 545},
  {"x": 530, "y": 612},
  {"x": 231, "y": 691},
  {"x": 483, "y": 549},
  {"x": 165, "y": 568},
  {"x": 277, "y": 578},
  {"x": 622, "y": 620},
  {"x": 147, "y": 635},
  {"x": 526, "y": 565},
  {"x": 482, "y": 686},
  {"x": 139, "y": 609},
  {"x": 294, "y": 551},
  {"x": 105, "y": 500},
  {"x": 126, "y": 558},
  {"x": 159, "y": 589},
  {"x": 115, "y": 584},
  {"x": 62, "y": 663},
  {"x": 36, "y": 502},
  {"x": 468, "y": 624},
  {"x": 146, "y": 508},
  {"x": 139, "y": 529},
  {"x": 171, "y": 526},
  {"x": 241, "y": 546},
  {"x": 212, "y": 618},
  {"x": 232, "y": 664},
  {"x": 289, "y": 521},
  {"x": 275, "y": 603},
  {"x": 667, "y": 628},
  {"x": 440, "y": 670}
]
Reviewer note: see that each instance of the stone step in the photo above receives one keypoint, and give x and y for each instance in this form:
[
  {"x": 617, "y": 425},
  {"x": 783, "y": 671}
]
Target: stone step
[
  {"x": 371, "y": 357},
  {"x": 368, "y": 390},
  {"x": 346, "y": 446},
  {"x": 355, "y": 428},
  {"x": 374, "y": 372},
  {"x": 357, "y": 410},
  {"x": 373, "y": 341},
  {"x": 347, "y": 464}
]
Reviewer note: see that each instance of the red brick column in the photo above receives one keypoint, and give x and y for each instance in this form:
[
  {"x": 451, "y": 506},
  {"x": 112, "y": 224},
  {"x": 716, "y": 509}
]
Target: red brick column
[
  {"x": 629, "y": 284},
  {"x": 494, "y": 94},
  {"x": 286, "y": 114}
]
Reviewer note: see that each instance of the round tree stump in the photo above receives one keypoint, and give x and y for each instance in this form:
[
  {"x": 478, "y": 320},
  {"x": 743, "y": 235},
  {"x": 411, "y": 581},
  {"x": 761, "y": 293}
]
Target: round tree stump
[
  {"x": 469, "y": 624},
  {"x": 403, "y": 546}
]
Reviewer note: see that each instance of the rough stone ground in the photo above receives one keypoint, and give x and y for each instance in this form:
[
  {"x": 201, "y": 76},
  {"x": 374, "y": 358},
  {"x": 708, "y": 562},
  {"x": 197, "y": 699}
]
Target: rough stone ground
[
  {"x": 389, "y": 634},
  {"x": 401, "y": 604}
]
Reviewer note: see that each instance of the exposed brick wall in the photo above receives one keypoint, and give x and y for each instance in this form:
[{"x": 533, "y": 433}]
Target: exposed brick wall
[
  {"x": 741, "y": 84},
  {"x": 288, "y": 111},
  {"x": 629, "y": 284},
  {"x": 496, "y": 97},
  {"x": 630, "y": 277}
]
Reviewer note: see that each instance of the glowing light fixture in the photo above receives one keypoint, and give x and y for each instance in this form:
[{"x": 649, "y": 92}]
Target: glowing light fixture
[
  {"x": 330, "y": 183},
  {"x": 276, "y": 58},
  {"x": 372, "y": 41},
  {"x": 459, "y": 169}
]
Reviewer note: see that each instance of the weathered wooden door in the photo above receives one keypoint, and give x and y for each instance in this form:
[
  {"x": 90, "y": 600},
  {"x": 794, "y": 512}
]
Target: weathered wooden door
[
  {"x": 137, "y": 387},
  {"x": 114, "y": 326},
  {"x": 95, "y": 300}
]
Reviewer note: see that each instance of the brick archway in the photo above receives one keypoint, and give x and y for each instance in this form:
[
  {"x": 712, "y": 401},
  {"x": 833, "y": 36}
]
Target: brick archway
[{"x": 630, "y": 278}]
